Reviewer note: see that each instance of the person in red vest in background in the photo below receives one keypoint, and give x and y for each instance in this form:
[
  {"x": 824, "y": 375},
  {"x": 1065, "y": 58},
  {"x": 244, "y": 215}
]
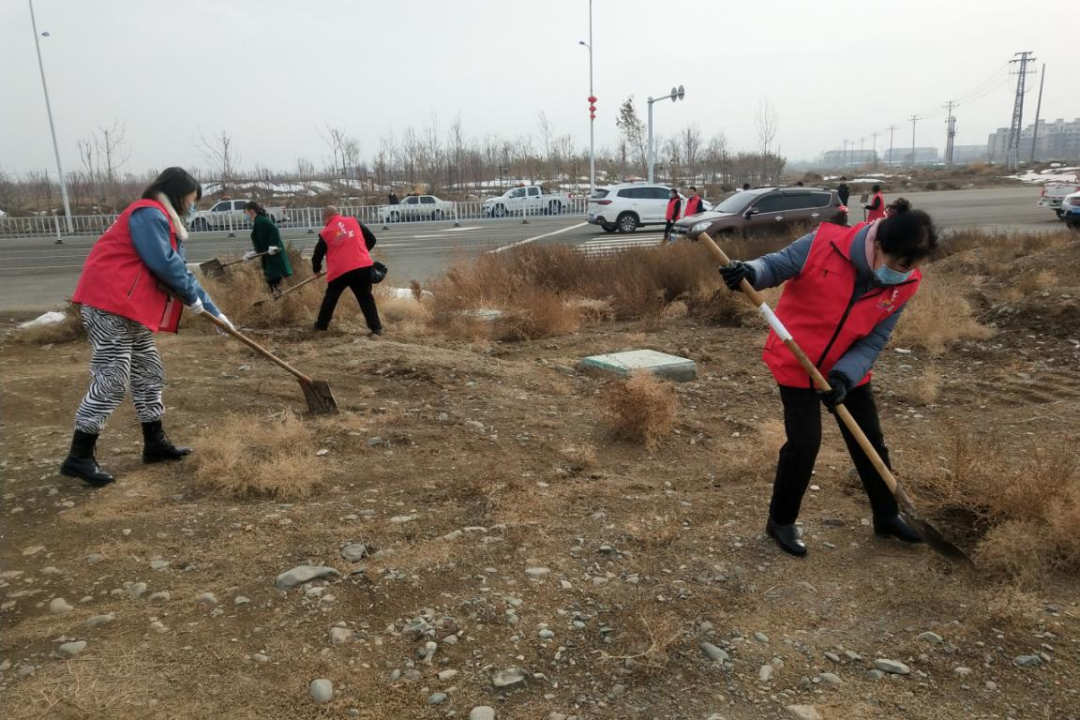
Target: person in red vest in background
[
  {"x": 693, "y": 203},
  {"x": 346, "y": 245},
  {"x": 844, "y": 290},
  {"x": 876, "y": 209},
  {"x": 135, "y": 282},
  {"x": 674, "y": 205}
]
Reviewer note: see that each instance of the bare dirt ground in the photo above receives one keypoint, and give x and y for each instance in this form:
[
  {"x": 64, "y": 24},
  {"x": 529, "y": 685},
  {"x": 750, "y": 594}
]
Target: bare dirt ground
[{"x": 506, "y": 527}]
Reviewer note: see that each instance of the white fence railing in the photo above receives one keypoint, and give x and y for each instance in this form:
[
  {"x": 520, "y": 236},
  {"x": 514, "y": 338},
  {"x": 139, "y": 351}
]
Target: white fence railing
[{"x": 54, "y": 225}]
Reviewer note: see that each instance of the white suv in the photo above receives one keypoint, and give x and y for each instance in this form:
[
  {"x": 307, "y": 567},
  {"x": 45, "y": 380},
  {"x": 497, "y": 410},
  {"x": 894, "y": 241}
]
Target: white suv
[{"x": 628, "y": 206}]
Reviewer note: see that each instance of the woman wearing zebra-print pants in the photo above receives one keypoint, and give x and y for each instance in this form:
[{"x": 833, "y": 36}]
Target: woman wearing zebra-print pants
[{"x": 132, "y": 286}]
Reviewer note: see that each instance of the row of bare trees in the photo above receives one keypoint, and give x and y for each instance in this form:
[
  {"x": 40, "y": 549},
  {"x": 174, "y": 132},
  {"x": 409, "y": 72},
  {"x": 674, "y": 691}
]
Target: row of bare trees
[{"x": 428, "y": 158}]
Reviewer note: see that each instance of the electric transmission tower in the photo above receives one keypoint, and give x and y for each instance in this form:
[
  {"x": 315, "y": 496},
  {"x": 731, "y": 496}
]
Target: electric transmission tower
[
  {"x": 950, "y": 134},
  {"x": 1012, "y": 152}
]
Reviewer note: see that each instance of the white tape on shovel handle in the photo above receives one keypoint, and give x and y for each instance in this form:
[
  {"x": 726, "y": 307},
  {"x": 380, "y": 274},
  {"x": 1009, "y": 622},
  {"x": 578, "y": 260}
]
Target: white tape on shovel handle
[{"x": 774, "y": 322}]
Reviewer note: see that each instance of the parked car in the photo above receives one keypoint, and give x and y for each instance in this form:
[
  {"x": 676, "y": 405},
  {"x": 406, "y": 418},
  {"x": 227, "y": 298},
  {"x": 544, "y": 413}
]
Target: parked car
[
  {"x": 229, "y": 215},
  {"x": 628, "y": 206},
  {"x": 1070, "y": 210},
  {"x": 1053, "y": 193},
  {"x": 528, "y": 199},
  {"x": 762, "y": 211},
  {"x": 417, "y": 207}
]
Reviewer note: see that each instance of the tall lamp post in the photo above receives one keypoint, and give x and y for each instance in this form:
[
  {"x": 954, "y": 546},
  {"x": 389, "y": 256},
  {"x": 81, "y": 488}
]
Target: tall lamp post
[
  {"x": 592, "y": 110},
  {"x": 52, "y": 126},
  {"x": 677, "y": 93}
]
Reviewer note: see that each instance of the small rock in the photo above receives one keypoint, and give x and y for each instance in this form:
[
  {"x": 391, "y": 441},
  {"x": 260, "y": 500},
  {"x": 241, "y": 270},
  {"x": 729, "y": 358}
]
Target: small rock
[
  {"x": 714, "y": 653},
  {"x": 804, "y": 712},
  {"x": 876, "y": 674},
  {"x": 537, "y": 572},
  {"x": 761, "y": 637},
  {"x": 73, "y": 648},
  {"x": 302, "y": 574},
  {"x": 159, "y": 564},
  {"x": 59, "y": 606},
  {"x": 206, "y": 598},
  {"x": 260, "y": 658},
  {"x": 322, "y": 691},
  {"x": 437, "y": 698},
  {"x": 354, "y": 552},
  {"x": 136, "y": 590},
  {"x": 931, "y": 637},
  {"x": 1027, "y": 661},
  {"x": 482, "y": 712},
  {"x": 546, "y": 634},
  {"x": 833, "y": 657},
  {"x": 830, "y": 678},
  {"x": 400, "y": 519},
  {"x": 241, "y": 600},
  {"x": 96, "y": 620},
  {"x": 765, "y": 673},
  {"x": 508, "y": 679},
  {"x": 892, "y": 666},
  {"x": 448, "y": 675},
  {"x": 340, "y": 635},
  {"x": 161, "y": 596},
  {"x": 991, "y": 685},
  {"x": 961, "y": 670}
]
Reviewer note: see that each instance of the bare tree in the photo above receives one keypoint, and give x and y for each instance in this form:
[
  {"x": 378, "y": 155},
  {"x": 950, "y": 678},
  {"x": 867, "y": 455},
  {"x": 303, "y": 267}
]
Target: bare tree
[
  {"x": 691, "y": 141},
  {"x": 221, "y": 153},
  {"x": 547, "y": 142},
  {"x": 457, "y": 153},
  {"x": 768, "y": 124},
  {"x": 633, "y": 131},
  {"x": 111, "y": 149}
]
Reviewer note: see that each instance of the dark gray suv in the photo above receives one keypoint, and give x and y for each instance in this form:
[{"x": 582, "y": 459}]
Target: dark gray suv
[{"x": 764, "y": 211}]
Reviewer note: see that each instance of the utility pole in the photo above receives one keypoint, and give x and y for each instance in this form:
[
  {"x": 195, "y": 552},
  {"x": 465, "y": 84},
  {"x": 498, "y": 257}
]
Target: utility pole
[
  {"x": 592, "y": 110},
  {"x": 677, "y": 93},
  {"x": 891, "y": 160},
  {"x": 873, "y": 151},
  {"x": 845, "y": 162},
  {"x": 914, "y": 119},
  {"x": 862, "y": 146},
  {"x": 52, "y": 127},
  {"x": 1038, "y": 111},
  {"x": 1012, "y": 152},
  {"x": 950, "y": 134}
]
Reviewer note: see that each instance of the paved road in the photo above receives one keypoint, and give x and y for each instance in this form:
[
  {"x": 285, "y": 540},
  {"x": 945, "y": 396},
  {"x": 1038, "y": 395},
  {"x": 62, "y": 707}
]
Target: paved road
[{"x": 36, "y": 274}]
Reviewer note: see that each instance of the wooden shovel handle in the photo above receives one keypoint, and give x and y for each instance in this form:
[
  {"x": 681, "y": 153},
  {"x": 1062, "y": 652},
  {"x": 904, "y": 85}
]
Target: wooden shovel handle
[
  {"x": 300, "y": 284},
  {"x": 257, "y": 347},
  {"x": 234, "y": 262},
  {"x": 819, "y": 380}
]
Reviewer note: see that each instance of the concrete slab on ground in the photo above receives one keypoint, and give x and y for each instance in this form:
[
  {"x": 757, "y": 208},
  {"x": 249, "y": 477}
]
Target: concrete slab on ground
[{"x": 669, "y": 367}]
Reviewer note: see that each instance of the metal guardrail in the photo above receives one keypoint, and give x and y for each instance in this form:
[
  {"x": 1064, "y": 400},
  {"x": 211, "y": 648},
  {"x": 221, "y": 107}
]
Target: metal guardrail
[{"x": 54, "y": 225}]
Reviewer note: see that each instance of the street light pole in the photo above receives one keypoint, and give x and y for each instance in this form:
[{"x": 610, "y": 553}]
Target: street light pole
[
  {"x": 592, "y": 110},
  {"x": 52, "y": 126},
  {"x": 677, "y": 93}
]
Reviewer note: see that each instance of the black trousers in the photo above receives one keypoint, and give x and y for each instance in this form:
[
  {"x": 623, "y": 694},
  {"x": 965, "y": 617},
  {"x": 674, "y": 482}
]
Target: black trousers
[
  {"x": 802, "y": 423},
  {"x": 359, "y": 281}
]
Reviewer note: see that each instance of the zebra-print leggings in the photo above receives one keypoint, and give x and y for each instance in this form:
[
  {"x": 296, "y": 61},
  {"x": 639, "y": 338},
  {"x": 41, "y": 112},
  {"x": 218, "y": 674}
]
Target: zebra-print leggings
[{"x": 123, "y": 354}]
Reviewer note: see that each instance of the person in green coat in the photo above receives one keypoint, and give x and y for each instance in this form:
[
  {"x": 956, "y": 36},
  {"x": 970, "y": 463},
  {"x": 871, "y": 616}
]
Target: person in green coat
[{"x": 266, "y": 238}]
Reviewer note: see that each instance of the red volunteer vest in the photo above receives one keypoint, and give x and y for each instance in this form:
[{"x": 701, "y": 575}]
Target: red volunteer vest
[
  {"x": 878, "y": 214},
  {"x": 116, "y": 280},
  {"x": 345, "y": 247},
  {"x": 693, "y": 206},
  {"x": 672, "y": 209},
  {"x": 817, "y": 309}
]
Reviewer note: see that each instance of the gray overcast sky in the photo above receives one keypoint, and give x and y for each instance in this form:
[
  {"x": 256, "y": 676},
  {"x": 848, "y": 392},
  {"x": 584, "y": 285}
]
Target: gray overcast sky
[{"x": 270, "y": 72}]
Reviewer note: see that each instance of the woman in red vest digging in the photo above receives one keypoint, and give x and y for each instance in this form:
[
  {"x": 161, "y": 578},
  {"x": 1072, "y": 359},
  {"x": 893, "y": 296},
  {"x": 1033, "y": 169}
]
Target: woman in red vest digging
[
  {"x": 135, "y": 283},
  {"x": 844, "y": 290}
]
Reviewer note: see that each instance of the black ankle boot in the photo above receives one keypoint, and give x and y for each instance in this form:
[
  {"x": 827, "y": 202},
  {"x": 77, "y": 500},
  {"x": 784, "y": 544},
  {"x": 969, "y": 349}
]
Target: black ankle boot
[
  {"x": 157, "y": 446},
  {"x": 787, "y": 537},
  {"x": 80, "y": 462},
  {"x": 896, "y": 526}
]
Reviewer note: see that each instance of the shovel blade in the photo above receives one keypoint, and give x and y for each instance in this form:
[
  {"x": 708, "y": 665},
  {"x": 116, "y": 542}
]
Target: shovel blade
[
  {"x": 212, "y": 268},
  {"x": 320, "y": 399}
]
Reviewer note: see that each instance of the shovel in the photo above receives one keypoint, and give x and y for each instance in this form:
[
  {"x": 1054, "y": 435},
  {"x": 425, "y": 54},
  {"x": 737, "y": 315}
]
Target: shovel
[
  {"x": 297, "y": 286},
  {"x": 320, "y": 399},
  {"x": 933, "y": 538},
  {"x": 216, "y": 268}
]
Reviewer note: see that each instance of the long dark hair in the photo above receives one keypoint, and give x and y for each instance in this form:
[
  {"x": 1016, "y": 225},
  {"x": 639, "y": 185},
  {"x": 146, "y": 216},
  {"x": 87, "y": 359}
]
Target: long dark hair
[
  {"x": 252, "y": 205},
  {"x": 174, "y": 183}
]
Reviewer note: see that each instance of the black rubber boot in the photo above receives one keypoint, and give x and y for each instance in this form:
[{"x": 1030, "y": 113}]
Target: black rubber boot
[
  {"x": 80, "y": 462},
  {"x": 157, "y": 446},
  {"x": 787, "y": 537},
  {"x": 897, "y": 527}
]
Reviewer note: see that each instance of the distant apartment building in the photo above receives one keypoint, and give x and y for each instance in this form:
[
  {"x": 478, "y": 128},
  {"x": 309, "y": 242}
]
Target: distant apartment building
[
  {"x": 849, "y": 158},
  {"x": 1057, "y": 140},
  {"x": 967, "y": 154},
  {"x": 902, "y": 156}
]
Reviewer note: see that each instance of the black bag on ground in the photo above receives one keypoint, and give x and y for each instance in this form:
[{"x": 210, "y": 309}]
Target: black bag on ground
[{"x": 378, "y": 272}]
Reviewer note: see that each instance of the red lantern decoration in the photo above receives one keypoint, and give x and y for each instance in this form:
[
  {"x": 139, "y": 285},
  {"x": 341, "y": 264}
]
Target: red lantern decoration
[{"x": 592, "y": 98}]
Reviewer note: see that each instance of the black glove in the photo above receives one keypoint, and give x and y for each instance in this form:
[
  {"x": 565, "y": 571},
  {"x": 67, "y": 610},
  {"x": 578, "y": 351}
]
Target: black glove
[
  {"x": 737, "y": 271},
  {"x": 838, "y": 390}
]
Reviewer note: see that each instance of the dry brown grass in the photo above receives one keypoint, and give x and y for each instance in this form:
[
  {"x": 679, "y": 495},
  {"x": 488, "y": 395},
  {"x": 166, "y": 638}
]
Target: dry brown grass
[
  {"x": 641, "y": 409},
  {"x": 239, "y": 290},
  {"x": 245, "y": 456},
  {"x": 938, "y": 316},
  {"x": 1024, "y": 512},
  {"x": 70, "y": 330},
  {"x": 924, "y": 389}
]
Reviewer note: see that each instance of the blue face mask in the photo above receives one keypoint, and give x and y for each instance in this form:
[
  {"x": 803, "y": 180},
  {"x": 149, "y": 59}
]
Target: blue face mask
[
  {"x": 887, "y": 276},
  {"x": 191, "y": 210}
]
